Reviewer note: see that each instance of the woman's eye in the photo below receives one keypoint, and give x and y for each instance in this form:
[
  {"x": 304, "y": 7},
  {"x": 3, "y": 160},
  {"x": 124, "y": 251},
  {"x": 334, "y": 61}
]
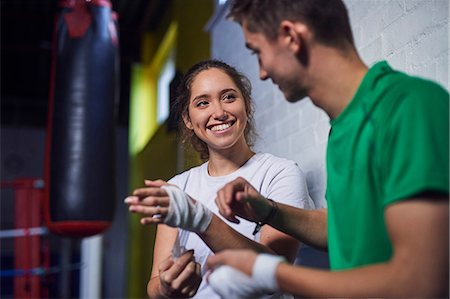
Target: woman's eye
[
  {"x": 229, "y": 97},
  {"x": 201, "y": 104}
]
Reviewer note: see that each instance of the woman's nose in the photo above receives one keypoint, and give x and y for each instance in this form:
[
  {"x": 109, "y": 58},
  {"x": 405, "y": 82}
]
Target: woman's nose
[{"x": 219, "y": 113}]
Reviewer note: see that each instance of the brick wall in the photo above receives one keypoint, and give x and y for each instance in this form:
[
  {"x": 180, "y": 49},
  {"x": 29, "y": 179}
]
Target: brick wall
[{"x": 412, "y": 35}]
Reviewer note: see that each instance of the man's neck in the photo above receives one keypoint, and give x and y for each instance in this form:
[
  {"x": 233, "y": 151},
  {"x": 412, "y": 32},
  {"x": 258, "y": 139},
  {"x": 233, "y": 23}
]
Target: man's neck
[{"x": 335, "y": 78}]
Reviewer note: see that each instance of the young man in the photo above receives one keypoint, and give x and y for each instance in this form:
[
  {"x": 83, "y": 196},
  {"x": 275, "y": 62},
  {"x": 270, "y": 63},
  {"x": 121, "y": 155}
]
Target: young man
[{"x": 386, "y": 226}]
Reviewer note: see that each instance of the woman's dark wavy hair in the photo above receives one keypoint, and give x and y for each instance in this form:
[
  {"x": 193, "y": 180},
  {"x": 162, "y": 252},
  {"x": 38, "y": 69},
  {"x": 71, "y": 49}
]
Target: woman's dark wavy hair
[
  {"x": 181, "y": 104},
  {"x": 327, "y": 19}
]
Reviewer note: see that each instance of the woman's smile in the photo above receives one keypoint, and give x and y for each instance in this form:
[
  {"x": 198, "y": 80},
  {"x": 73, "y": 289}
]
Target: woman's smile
[
  {"x": 220, "y": 127},
  {"x": 217, "y": 112}
]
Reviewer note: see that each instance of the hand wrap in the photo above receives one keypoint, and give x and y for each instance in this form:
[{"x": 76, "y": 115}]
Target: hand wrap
[
  {"x": 186, "y": 213},
  {"x": 231, "y": 283}
]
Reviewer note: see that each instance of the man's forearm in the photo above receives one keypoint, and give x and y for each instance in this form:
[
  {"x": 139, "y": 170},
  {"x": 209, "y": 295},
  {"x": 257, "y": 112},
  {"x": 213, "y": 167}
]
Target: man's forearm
[
  {"x": 307, "y": 226},
  {"x": 378, "y": 281}
]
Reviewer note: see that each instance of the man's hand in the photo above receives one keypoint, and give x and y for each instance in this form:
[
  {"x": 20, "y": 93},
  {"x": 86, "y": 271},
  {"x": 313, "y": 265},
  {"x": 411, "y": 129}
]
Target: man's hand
[
  {"x": 243, "y": 273},
  {"x": 180, "y": 278},
  {"x": 241, "y": 260},
  {"x": 240, "y": 198}
]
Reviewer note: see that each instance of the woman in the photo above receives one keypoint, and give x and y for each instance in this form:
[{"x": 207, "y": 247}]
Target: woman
[{"x": 215, "y": 106}]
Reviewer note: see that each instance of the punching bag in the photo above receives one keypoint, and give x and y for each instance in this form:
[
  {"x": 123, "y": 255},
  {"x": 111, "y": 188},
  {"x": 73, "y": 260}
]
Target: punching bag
[{"x": 80, "y": 155}]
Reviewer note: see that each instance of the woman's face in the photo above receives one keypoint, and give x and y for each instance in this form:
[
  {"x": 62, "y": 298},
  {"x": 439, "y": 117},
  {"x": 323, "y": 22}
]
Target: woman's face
[{"x": 216, "y": 110}]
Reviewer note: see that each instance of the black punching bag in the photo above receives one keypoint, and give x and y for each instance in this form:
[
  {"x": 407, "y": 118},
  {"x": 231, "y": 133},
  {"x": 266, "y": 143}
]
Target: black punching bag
[{"x": 80, "y": 155}]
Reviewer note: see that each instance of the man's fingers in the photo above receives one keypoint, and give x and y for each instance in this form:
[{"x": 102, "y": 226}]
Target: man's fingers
[
  {"x": 216, "y": 260},
  {"x": 242, "y": 260},
  {"x": 225, "y": 211},
  {"x": 226, "y": 197}
]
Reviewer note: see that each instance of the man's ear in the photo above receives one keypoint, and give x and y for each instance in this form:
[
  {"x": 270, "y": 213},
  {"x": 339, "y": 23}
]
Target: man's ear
[
  {"x": 187, "y": 121},
  {"x": 291, "y": 34}
]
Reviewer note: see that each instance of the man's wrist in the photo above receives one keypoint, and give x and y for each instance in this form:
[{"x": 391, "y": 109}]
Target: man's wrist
[
  {"x": 270, "y": 216},
  {"x": 264, "y": 270}
]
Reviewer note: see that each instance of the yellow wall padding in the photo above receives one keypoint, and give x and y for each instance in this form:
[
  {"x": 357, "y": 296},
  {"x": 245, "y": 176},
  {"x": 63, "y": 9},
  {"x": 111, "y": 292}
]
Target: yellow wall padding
[
  {"x": 143, "y": 99},
  {"x": 155, "y": 161},
  {"x": 193, "y": 42},
  {"x": 153, "y": 150}
]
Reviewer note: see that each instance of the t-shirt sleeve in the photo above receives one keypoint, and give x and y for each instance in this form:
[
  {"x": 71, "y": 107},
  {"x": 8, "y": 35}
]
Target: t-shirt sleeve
[
  {"x": 415, "y": 148},
  {"x": 288, "y": 186},
  {"x": 179, "y": 180}
]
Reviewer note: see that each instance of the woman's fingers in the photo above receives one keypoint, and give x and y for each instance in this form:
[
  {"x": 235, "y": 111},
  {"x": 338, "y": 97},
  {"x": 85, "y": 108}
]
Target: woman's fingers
[
  {"x": 148, "y": 201},
  {"x": 150, "y": 191},
  {"x": 180, "y": 278},
  {"x": 188, "y": 279},
  {"x": 156, "y": 183},
  {"x": 170, "y": 271},
  {"x": 193, "y": 282}
]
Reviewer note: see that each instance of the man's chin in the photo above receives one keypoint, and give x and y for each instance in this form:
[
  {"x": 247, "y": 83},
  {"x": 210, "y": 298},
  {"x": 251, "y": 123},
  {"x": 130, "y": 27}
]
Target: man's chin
[{"x": 292, "y": 98}]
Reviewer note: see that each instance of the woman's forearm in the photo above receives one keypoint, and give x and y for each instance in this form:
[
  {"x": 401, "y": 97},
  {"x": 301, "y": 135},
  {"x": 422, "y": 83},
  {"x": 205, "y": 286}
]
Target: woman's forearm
[
  {"x": 220, "y": 236},
  {"x": 307, "y": 226},
  {"x": 153, "y": 288}
]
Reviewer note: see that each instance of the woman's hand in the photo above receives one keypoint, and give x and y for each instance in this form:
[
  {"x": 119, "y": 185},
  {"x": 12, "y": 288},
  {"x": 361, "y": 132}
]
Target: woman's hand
[
  {"x": 151, "y": 201},
  {"x": 161, "y": 202},
  {"x": 180, "y": 278}
]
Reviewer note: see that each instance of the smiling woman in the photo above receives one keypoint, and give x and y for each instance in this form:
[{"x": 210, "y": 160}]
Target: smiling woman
[
  {"x": 217, "y": 114},
  {"x": 197, "y": 88},
  {"x": 214, "y": 109}
]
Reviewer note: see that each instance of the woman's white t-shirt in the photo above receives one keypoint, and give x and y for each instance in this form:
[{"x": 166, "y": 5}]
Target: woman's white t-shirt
[{"x": 276, "y": 178}]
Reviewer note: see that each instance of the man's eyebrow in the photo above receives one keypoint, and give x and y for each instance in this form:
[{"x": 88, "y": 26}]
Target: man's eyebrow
[{"x": 248, "y": 46}]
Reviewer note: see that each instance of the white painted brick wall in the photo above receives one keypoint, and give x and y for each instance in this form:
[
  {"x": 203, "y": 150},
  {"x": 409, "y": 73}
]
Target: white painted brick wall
[{"x": 412, "y": 35}]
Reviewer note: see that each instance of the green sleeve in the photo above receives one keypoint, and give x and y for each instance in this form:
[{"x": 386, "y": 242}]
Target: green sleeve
[{"x": 415, "y": 151}]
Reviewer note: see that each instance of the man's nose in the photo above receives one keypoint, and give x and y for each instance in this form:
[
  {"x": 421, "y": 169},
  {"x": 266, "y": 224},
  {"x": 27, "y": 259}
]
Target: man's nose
[{"x": 262, "y": 73}]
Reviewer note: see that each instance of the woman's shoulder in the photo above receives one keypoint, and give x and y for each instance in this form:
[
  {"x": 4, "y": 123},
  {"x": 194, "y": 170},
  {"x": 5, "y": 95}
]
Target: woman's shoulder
[
  {"x": 274, "y": 161},
  {"x": 182, "y": 178},
  {"x": 269, "y": 163}
]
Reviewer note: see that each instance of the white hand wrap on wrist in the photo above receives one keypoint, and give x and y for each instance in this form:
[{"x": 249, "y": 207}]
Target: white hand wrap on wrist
[
  {"x": 264, "y": 271},
  {"x": 185, "y": 213},
  {"x": 231, "y": 283}
]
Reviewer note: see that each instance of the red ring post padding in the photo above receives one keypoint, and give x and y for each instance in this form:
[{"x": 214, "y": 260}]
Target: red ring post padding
[{"x": 80, "y": 155}]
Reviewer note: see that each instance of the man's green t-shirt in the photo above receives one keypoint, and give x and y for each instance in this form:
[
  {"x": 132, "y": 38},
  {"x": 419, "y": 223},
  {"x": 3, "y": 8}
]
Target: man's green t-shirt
[{"x": 390, "y": 143}]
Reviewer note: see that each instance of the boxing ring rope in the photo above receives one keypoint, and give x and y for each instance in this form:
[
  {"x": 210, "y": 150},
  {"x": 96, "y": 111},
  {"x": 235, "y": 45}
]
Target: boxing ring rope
[{"x": 31, "y": 253}]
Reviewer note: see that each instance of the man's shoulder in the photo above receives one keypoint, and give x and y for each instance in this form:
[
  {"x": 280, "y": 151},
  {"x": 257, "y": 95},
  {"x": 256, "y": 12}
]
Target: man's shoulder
[{"x": 400, "y": 84}]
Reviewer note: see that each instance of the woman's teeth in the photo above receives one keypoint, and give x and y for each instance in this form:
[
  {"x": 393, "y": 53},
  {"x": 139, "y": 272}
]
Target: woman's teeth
[{"x": 220, "y": 127}]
